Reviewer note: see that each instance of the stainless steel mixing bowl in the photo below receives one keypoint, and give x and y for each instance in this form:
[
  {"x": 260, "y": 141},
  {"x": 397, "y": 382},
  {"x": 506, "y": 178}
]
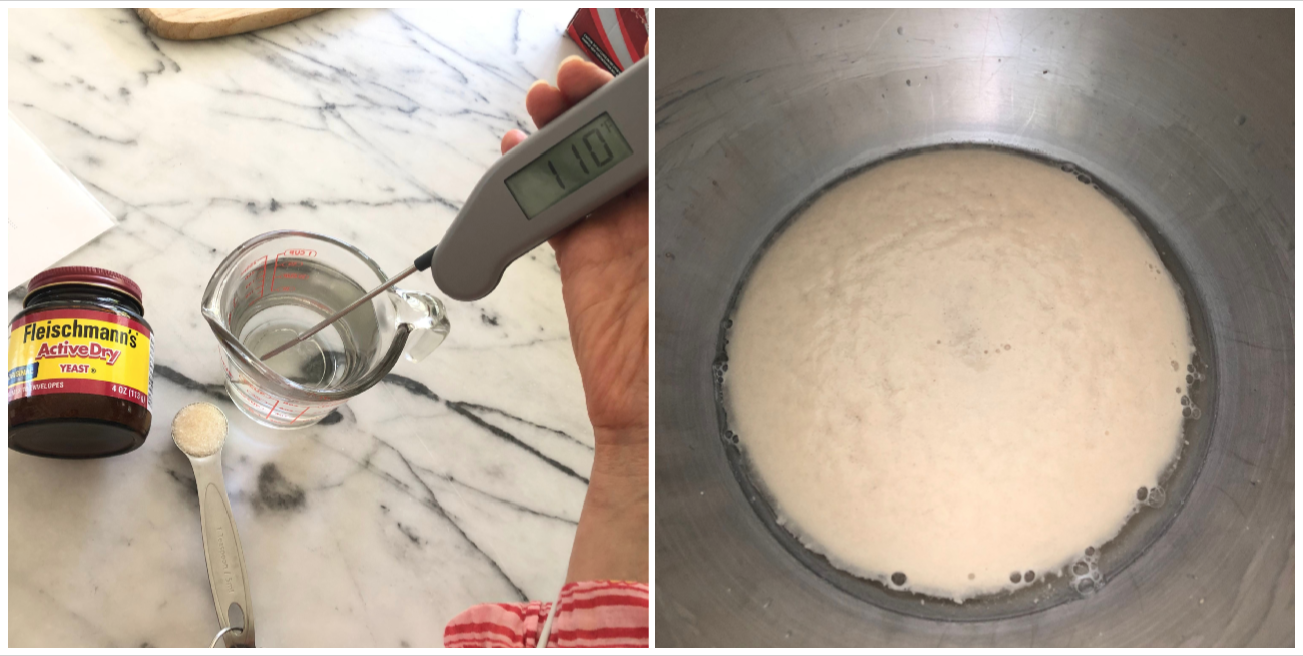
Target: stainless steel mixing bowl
[{"x": 1187, "y": 115}]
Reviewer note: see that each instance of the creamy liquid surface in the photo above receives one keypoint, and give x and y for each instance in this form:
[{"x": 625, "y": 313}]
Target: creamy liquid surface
[{"x": 956, "y": 366}]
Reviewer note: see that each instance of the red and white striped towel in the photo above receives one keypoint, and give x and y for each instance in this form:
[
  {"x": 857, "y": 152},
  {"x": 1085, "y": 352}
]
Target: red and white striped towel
[{"x": 589, "y": 614}]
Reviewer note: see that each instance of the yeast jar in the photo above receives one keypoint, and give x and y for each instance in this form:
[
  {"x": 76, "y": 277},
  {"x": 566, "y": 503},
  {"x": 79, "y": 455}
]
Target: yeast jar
[{"x": 81, "y": 366}]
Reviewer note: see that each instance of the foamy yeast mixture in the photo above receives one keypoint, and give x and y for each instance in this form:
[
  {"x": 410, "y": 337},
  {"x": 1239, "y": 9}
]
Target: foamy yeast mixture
[{"x": 956, "y": 366}]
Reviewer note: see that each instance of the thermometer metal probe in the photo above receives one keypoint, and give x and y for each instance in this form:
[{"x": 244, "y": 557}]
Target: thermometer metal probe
[{"x": 592, "y": 153}]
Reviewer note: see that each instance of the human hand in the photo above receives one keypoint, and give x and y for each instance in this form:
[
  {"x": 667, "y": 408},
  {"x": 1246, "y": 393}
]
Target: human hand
[{"x": 603, "y": 262}]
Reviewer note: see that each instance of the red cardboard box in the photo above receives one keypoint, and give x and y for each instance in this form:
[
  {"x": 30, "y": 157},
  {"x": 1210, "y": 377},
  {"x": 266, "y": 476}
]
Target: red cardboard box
[{"x": 613, "y": 38}]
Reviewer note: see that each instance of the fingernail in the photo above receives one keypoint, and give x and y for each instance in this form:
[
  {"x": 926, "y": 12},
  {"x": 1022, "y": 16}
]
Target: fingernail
[
  {"x": 572, "y": 58},
  {"x": 536, "y": 83}
]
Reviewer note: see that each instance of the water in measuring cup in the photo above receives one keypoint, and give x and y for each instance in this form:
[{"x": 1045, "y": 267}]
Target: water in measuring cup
[
  {"x": 318, "y": 362},
  {"x": 330, "y": 359}
]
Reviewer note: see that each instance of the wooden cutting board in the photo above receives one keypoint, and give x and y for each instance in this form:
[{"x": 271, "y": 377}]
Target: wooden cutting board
[{"x": 195, "y": 24}]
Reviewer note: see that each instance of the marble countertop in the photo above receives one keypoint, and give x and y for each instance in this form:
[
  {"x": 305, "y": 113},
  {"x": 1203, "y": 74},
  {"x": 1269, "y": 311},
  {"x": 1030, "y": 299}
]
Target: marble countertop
[{"x": 457, "y": 480}]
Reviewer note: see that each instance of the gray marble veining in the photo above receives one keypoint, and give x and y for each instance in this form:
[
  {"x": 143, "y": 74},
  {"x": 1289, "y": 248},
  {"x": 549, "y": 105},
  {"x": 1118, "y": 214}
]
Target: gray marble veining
[{"x": 456, "y": 481}]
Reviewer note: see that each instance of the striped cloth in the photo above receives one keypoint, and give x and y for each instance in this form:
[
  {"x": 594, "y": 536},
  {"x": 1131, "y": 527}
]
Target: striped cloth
[{"x": 589, "y": 614}]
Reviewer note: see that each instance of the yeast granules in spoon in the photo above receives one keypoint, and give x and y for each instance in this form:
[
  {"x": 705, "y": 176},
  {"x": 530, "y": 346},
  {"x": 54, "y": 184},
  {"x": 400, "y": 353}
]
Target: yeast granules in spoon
[{"x": 199, "y": 429}]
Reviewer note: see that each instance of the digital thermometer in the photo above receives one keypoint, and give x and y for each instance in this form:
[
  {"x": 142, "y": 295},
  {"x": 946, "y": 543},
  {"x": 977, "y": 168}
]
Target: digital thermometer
[{"x": 592, "y": 153}]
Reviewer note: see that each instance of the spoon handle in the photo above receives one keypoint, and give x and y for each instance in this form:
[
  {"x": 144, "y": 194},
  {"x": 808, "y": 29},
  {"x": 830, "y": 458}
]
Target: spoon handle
[{"x": 222, "y": 552}]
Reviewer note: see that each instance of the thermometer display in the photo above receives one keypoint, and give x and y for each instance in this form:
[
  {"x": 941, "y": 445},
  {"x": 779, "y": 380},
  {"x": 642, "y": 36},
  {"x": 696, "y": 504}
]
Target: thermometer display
[{"x": 575, "y": 161}]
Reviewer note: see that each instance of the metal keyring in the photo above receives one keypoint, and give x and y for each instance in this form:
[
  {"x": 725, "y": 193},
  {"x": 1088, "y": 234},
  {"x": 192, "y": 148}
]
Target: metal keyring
[{"x": 223, "y": 632}]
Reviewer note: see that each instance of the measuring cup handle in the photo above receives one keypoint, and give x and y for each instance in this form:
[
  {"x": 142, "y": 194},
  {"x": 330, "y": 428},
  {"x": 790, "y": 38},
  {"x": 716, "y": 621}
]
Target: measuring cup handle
[{"x": 426, "y": 318}]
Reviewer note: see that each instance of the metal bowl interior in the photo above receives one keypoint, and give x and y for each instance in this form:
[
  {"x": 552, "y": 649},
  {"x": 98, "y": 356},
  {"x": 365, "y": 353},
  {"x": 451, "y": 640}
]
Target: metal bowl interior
[
  {"x": 1185, "y": 115},
  {"x": 1153, "y": 515}
]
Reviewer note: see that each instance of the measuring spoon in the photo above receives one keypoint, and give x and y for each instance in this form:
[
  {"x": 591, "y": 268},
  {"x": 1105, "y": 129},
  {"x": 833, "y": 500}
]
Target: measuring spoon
[{"x": 199, "y": 430}]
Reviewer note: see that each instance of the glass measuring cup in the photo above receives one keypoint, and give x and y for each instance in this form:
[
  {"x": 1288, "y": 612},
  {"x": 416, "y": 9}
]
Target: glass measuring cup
[{"x": 279, "y": 284}]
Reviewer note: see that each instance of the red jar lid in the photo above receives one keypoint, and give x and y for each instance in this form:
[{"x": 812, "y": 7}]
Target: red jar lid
[{"x": 85, "y": 275}]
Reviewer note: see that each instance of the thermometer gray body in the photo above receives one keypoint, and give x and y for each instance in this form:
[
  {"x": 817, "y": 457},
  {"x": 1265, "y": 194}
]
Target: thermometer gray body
[{"x": 592, "y": 153}]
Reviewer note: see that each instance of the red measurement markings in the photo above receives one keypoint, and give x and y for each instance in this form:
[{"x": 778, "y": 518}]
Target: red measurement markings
[
  {"x": 261, "y": 264},
  {"x": 288, "y": 255},
  {"x": 273, "y": 409},
  {"x": 245, "y": 271},
  {"x": 262, "y": 288},
  {"x": 260, "y": 397},
  {"x": 247, "y": 285},
  {"x": 273, "y": 272},
  {"x": 296, "y": 417}
]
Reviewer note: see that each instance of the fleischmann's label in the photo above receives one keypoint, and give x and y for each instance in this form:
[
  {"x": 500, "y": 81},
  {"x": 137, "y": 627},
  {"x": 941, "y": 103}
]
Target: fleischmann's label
[{"x": 80, "y": 352}]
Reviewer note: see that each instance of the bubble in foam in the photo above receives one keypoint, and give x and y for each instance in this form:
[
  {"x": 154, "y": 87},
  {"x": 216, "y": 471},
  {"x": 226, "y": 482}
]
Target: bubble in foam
[
  {"x": 898, "y": 578},
  {"x": 731, "y": 437},
  {"x": 1086, "y": 576},
  {"x": 1156, "y": 497}
]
